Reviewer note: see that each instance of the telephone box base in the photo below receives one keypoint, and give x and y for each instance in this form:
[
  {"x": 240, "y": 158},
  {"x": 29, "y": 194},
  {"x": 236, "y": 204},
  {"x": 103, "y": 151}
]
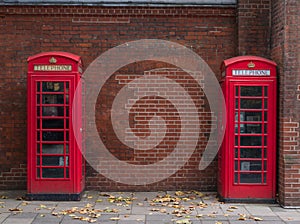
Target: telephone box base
[
  {"x": 53, "y": 197},
  {"x": 247, "y": 200}
]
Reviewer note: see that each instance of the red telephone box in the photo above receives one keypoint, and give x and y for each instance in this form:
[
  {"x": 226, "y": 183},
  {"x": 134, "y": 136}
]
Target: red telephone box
[
  {"x": 56, "y": 167},
  {"x": 247, "y": 157}
]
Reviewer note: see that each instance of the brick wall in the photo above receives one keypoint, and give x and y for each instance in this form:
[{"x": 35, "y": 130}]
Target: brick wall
[
  {"x": 88, "y": 32},
  {"x": 253, "y": 22},
  {"x": 285, "y": 52}
]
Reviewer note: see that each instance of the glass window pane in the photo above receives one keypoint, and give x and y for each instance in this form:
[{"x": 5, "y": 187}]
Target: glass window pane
[
  {"x": 38, "y": 148},
  {"x": 67, "y": 148},
  {"x": 236, "y": 90},
  {"x": 250, "y": 153},
  {"x": 52, "y": 172},
  {"x": 38, "y": 99},
  {"x": 53, "y": 123},
  {"x": 53, "y": 111},
  {"x": 53, "y": 98},
  {"x": 236, "y": 103},
  {"x": 253, "y": 128},
  {"x": 251, "y": 91},
  {"x": 38, "y": 175},
  {"x": 250, "y": 165},
  {"x": 236, "y": 178},
  {"x": 53, "y": 87},
  {"x": 250, "y": 178},
  {"x": 38, "y": 160},
  {"x": 53, "y": 136},
  {"x": 266, "y": 91},
  {"x": 38, "y": 87},
  {"x": 53, "y": 161},
  {"x": 251, "y": 103},
  {"x": 67, "y": 173},
  {"x": 251, "y": 140},
  {"x": 236, "y": 140},
  {"x": 236, "y": 165},
  {"x": 53, "y": 149},
  {"x": 252, "y": 116}
]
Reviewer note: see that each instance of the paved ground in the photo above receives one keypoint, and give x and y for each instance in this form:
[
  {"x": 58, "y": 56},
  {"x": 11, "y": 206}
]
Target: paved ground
[{"x": 140, "y": 208}]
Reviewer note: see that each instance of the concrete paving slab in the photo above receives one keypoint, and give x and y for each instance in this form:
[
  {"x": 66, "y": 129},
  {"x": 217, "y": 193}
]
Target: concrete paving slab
[
  {"x": 47, "y": 219},
  {"x": 256, "y": 209},
  {"x": 20, "y": 218}
]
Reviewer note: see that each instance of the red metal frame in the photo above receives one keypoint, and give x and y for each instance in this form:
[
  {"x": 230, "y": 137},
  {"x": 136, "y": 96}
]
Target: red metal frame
[
  {"x": 55, "y": 160},
  {"x": 247, "y": 158}
]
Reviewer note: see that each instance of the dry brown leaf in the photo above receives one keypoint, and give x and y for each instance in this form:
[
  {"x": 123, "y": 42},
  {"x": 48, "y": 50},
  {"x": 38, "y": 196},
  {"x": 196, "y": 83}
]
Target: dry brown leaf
[
  {"x": 179, "y": 193},
  {"x": 199, "y": 215},
  {"x": 233, "y": 207},
  {"x": 115, "y": 218},
  {"x": 15, "y": 210},
  {"x": 257, "y": 219}
]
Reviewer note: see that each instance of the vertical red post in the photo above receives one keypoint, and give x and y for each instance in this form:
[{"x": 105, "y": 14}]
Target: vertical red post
[
  {"x": 247, "y": 158},
  {"x": 55, "y": 160}
]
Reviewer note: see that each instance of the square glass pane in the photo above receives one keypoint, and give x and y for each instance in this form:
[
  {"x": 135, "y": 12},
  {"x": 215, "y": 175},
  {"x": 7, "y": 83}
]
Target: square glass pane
[
  {"x": 250, "y": 153},
  {"x": 52, "y": 172},
  {"x": 251, "y": 103},
  {"x": 250, "y": 165},
  {"x": 53, "y": 98},
  {"x": 67, "y": 148},
  {"x": 250, "y": 178},
  {"x": 53, "y": 87},
  {"x": 236, "y": 103},
  {"x": 38, "y": 113},
  {"x": 53, "y": 161},
  {"x": 252, "y": 116},
  {"x": 53, "y": 136},
  {"x": 53, "y": 149},
  {"x": 251, "y": 90},
  {"x": 251, "y": 140},
  {"x": 53, "y": 123},
  {"x": 253, "y": 128},
  {"x": 53, "y": 111},
  {"x": 38, "y": 160}
]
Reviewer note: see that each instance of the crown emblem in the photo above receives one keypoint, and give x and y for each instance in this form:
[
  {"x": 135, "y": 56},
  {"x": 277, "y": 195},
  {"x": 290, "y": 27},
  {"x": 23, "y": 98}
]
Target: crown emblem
[
  {"x": 251, "y": 65},
  {"x": 52, "y": 60}
]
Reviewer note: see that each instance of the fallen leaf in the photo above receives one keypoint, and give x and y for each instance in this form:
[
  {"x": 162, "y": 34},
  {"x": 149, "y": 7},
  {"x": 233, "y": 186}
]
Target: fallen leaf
[
  {"x": 42, "y": 215},
  {"x": 233, "y": 207},
  {"x": 257, "y": 219},
  {"x": 199, "y": 215},
  {"x": 183, "y": 221},
  {"x": 179, "y": 193},
  {"x": 15, "y": 210},
  {"x": 99, "y": 200},
  {"x": 217, "y": 222},
  {"x": 242, "y": 217},
  {"x": 115, "y": 218}
]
